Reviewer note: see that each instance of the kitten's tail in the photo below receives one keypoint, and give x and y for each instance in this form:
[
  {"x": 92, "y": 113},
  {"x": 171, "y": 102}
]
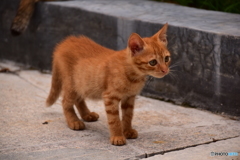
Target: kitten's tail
[
  {"x": 23, "y": 16},
  {"x": 55, "y": 88}
]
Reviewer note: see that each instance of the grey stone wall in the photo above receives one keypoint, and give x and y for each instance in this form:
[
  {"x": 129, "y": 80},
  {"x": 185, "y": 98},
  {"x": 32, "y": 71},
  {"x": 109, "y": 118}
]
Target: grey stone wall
[
  {"x": 205, "y": 45},
  {"x": 206, "y": 73},
  {"x": 50, "y": 24}
]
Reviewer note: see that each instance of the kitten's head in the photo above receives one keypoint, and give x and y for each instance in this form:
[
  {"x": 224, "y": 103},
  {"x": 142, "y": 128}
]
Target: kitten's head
[{"x": 150, "y": 55}]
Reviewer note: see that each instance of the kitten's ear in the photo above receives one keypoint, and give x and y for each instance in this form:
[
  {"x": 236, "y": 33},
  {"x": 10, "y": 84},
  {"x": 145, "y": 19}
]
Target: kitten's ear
[
  {"x": 162, "y": 34},
  {"x": 135, "y": 44}
]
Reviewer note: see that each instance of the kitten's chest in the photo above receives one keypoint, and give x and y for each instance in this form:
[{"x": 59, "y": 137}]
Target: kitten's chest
[
  {"x": 129, "y": 88},
  {"x": 134, "y": 89}
]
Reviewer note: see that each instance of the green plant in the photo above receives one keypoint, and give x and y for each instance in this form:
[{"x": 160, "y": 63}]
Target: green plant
[{"x": 232, "y": 6}]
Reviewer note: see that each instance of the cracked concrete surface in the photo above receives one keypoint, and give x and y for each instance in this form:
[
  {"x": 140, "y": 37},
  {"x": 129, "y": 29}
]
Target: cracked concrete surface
[
  {"x": 166, "y": 131},
  {"x": 199, "y": 152}
]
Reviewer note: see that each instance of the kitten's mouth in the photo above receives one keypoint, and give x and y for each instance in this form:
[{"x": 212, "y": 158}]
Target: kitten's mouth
[{"x": 160, "y": 74}]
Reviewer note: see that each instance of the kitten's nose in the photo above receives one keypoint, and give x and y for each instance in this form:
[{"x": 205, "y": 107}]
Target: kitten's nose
[{"x": 164, "y": 71}]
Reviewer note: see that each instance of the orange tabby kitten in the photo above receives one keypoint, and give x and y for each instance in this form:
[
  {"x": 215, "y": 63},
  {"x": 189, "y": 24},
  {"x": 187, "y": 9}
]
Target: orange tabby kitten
[{"x": 83, "y": 69}]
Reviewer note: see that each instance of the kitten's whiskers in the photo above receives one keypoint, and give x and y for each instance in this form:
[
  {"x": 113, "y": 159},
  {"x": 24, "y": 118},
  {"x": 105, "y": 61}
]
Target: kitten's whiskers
[{"x": 172, "y": 73}]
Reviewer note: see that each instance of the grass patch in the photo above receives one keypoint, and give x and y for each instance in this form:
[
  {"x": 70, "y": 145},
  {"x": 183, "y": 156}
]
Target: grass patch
[{"x": 230, "y": 6}]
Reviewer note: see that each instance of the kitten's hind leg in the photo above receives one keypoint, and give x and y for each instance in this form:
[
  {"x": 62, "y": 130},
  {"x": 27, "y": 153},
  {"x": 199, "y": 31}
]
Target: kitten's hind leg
[
  {"x": 72, "y": 120},
  {"x": 84, "y": 111}
]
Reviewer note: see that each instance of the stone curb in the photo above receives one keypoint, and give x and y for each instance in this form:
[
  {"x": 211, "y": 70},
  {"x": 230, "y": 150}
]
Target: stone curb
[{"x": 204, "y": 44}]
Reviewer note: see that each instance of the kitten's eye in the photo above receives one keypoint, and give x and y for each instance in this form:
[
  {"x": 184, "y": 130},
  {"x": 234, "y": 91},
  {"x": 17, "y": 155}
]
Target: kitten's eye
[
  {"x": 153, "y": 62},
  {"x": 167, "y": 58}
]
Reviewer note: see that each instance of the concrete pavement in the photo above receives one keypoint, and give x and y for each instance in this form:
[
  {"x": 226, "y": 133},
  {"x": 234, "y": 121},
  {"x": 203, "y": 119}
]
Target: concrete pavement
[{"x": 29, "y": 130}]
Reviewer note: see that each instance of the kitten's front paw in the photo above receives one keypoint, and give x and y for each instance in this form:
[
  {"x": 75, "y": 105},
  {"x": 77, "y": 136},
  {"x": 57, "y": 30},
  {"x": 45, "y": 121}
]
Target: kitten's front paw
[
  {"x": 76, "y": 125},
  {"x": 91, "y": 117},
  {"x": 130, "y": 134},
  {"x": 118, "y": 140}
]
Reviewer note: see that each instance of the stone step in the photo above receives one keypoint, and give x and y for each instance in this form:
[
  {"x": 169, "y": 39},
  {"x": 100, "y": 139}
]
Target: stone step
[{"x": 204, "y": 44}]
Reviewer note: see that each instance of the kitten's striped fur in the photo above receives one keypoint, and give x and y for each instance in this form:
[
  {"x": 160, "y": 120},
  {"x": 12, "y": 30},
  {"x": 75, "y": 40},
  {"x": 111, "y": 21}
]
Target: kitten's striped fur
[{"x": 83, "y": 69}]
